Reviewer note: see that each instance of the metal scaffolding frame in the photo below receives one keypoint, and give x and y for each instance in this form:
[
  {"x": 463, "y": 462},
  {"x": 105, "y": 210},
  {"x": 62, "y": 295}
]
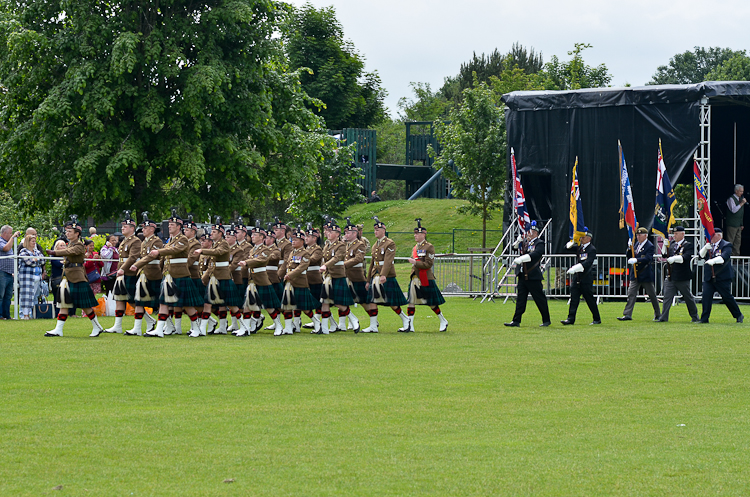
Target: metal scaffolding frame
[{"x": 703, "y": 159}]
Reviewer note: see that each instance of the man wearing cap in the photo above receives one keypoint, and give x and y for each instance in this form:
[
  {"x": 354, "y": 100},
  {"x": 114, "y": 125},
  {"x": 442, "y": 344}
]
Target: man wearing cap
[
  {"x": 75, "y": 291},
  {"x": 280, "y": 229},
  {"x": 363, "y": 238},
  {"x": 678, "y": 275},
  {"x": 247, "y": 247},
  {"x": 263, "y": 294},
  {"x": 129, "y": 252},
  {"x": 641, "y": 262},
  {"x": 582, "y": 279},
  {"x": 314, "y": 277},
  {"x": 383, "y": 288},
  {"x": 272, "y": 267},
  {"x": 236, "y": 255},
  {"x": 529, "y": 277},
  {"x": 205, "y": 269},
  {"x": 297, "y": 297},
  {"x": 149, "y": 279},
  {"x": 355, "y": 266},
  {"x": 718, "y": 274},
  {"x": 335, "y": 288},
  {"x": 422, "y": 287}
]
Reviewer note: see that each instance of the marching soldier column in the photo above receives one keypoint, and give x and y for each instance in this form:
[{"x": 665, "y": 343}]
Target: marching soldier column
[{"x": 422, "y": 287}]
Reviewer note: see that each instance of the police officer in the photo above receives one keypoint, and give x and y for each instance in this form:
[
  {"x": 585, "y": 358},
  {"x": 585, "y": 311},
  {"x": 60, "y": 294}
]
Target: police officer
[
  {"x": 529, "y": 277},
  {"x": 678, "y": 275},
  {"x": 582, "y": 278},
  {"x": 422, "y": 287},
  {"x": 641, "y": 259},
  {"x": 718, "y": 276}
]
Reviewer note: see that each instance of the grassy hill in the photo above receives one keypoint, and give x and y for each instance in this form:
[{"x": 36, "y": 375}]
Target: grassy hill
[{"x": 449, "y": 230}]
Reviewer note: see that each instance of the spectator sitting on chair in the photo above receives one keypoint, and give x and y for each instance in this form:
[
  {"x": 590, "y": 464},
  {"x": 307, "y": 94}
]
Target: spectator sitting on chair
[
  {"x": 29, "y": 275},
  {"x": 374, "y": 197}
]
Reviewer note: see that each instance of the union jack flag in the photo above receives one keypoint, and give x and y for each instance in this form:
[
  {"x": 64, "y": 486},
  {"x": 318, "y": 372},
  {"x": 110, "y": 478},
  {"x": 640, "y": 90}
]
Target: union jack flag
[
  {"x": 519, "y": 201},
  {"x": 627, "y": 209}
]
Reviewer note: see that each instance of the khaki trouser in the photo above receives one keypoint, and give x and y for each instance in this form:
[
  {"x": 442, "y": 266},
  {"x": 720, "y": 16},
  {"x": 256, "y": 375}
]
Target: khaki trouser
[{"x": 734, "y": 236}]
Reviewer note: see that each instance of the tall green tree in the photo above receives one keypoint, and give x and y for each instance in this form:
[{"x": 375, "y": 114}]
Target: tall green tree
[
  {"x": 315, "y": 40},
  {"x": 475, "y": 143},
  {"x": 736, "y": 68},
  {"x": 692, "y": 67},
  {"x": 144, "y": 105},
  {"x": 575, "y": 73},
  {"x": 425, "y": 106}
]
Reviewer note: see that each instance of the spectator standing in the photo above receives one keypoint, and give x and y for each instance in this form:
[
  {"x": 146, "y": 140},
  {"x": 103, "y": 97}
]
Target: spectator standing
[
  {"x": 7, "y": 235},
  {"x": 109, "y": 251},
  {"x": 735, "y": 219},
  {"x": 92, "y": 268},
  {"x": 29, "y": 275},
  {"x": 92, "y": 231}
]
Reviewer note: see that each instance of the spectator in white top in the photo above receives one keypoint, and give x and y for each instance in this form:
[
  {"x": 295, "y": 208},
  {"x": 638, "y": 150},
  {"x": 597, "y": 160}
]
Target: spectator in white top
[{"x": 735, "y": 218}]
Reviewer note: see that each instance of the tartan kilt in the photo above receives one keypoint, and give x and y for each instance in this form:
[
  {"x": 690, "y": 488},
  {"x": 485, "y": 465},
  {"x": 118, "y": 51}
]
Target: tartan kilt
[
  {"x": 340, "y": 293},
  {"x": 279, "y": 289},
  {"x": 268, "y": 297},
  {"x": 130, "y": 286},
  {"x": 242, "y": 288},
  {"x": 394, "y": 297},
  {"x": 360, "y": 291},
  {"x": 154, "y": 288},
  {"x": 232, "y": 296},
  {"x": 303, "y": 301},
  {"x": 199, "y": 287},
  {"x": 315, "y": 290},
  {"x": 430, "y": 294},
  {"x": 82, "y": 296},
  {"x": 188, "y": 294}
]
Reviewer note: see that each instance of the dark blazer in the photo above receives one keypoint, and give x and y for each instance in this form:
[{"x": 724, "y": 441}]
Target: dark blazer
[
  {"x": 721, "y": 271},
  {"x": 681, "y": 271},
  {"x": 585, "y": 257},
  {"x": 645, "y": 264},
  {"x": 536, "y": 250}
]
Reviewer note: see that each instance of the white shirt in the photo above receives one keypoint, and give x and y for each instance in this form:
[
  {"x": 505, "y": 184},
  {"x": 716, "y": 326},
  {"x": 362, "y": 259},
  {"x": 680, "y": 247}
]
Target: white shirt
[{"x": 732, "y": 206}]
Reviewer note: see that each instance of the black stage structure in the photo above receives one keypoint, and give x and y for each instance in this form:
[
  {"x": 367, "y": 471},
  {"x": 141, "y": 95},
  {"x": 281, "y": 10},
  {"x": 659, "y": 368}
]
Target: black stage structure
[{"x": 708, "y": 122}]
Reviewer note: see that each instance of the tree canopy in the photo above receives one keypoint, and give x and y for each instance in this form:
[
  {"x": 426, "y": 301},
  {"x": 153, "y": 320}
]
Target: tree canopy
[{"x": 692, "y": 67}]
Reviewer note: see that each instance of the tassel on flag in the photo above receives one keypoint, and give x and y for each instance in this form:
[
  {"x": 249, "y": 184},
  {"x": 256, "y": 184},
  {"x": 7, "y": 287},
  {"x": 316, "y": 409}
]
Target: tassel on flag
[
  {"x": 577, "y": 226},
  {"x": 700, "y": 197},
  {"x": 519, "y": 201},
  {"x": 665, "y": 200},
  {"x": 627, "y": 209}
]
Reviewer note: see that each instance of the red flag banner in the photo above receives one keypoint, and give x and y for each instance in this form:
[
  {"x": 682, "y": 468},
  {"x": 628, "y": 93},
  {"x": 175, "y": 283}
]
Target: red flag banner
[{"x": 703, "y": 208}]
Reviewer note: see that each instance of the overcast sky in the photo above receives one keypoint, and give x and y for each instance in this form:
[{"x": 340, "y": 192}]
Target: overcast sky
[{"x": 425, "y": 41}]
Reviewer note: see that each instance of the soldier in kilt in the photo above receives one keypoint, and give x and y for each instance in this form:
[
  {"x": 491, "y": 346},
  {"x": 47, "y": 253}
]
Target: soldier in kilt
[
  {"x": 149, "y": 278},
  {"x": 354, "y": 264},
  {"x": 129, "y": 252},
  {"x": 422, "y": 287},
  {"x": 221, "y": 289},
  {"x": 362, "y": 238},
  {"x": 336, "y": 289},
  {"x": 236, "y": 254},
  {"x": 191, "y": 232},
  {"x": 75, "y": 291},
  {"x": 314, "y": 278},
  {"x": 297, "y": 297},
  {"x": 244, "y": 243},
  {"x": 265, "y": 295},
  {"x": 177, "y": 288},
  {"x": 272, "y": 268},
  {"x": 205, "y": 269},
  {"x": 282, "y": 233},
  {"x": 383, "y": 288}
]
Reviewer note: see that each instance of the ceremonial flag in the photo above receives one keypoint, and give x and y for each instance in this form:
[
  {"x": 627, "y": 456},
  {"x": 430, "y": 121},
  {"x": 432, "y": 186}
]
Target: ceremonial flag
[
  {"x": 627, "y": 209},
  {"x": 700, "y": 197},
  {"x": 519, "y": 201},
  {"x": 665, "y": 200},
  {"x": 577, "y": 226}
]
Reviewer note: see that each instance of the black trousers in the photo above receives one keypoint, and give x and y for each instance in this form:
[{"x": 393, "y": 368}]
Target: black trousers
[
  {"x": 533, "y": 287},
  {"x": 585, "y": 288},
  {"x": 724, "y": 287}
]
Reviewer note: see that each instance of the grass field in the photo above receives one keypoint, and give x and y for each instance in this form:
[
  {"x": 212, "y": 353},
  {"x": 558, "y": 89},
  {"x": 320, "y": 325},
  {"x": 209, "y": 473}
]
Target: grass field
[{"x": 636, "y": 408}]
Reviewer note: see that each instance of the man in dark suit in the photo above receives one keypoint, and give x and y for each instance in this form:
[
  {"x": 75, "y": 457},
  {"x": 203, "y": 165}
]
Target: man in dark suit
[
  {"x": 717, "y": 276},
  {"x": 641, "y": 261},
  {"x": 678, "y": 275},
  {"x": 582, "y": 279},
  {"x": 529, "y": 277}
]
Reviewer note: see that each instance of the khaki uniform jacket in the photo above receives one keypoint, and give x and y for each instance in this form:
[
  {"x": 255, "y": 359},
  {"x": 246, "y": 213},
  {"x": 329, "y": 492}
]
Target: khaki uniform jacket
[
  {"x": 272, "y": 268},
  {"x": 206, "y": 268},
  {"x": 315, "y": 253},
  {"x": 236, "y": 254},
  {"x": 285, "y": 247},
  {"x": 247, "y": 248},
  {"x": 381, "y": 263},
  {"x": 75, "y": 253},
  {"x": 220, "y": 256},
  {"x": 425, "y": 259},
  {"x": 194, "y": 259},
  {"x": 130, "y": 251},
  {"x": 177, "y": 248},
  {"x": 256, "y": 264},
  {"x": 366, "y": 242},
  {"x": 152, "y": 271},
  {"x": 296, "y": 267},
  {"x": 333, "y": 259},
  {"x": 355, "y": 261}
]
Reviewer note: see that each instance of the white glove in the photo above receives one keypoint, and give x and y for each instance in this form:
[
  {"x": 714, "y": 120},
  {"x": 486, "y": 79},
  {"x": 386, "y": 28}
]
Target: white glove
[
  {"x": 518, "y": 241},
  {"x": 704, "y": 250},
  {"x": 630, "y": 243},
  {"x": 632, "y": 260},
  {"x": 570, "y": 244},
  {"x": 716, "y": 260},
  {"x": 675, "y": 258},
  {"x": 522, "y": 259},
  {"x": 578, "y": 268}
]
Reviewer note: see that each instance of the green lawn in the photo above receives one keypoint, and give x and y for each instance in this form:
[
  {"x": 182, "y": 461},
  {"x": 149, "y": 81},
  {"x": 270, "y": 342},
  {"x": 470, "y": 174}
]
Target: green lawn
[{"x": 635, "y": 408}]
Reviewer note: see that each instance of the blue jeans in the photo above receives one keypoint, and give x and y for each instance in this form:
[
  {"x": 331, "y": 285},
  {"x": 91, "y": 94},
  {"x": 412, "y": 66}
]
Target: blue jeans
[{"x": 6, "y": 293}]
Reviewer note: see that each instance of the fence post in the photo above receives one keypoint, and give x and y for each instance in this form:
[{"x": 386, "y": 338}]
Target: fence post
[
  {"x": 453, "y": 241},
  {"x": 15, "y": 277}
]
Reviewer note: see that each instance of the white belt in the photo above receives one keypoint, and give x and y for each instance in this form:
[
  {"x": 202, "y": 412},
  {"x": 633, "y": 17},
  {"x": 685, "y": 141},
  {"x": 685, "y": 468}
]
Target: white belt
[
  {"x": 182, "y": 260},
  {"x": 259, "y": 269},
  {"x": 359, "y": 264},
  {"x": 155, "y": 262},
  {"x": 238, "y": 268},
  {"x": 281, "y": 262},
  {"x": 222, "y": 264},
  {"x": 196, "y": 263},
  {"x": 272, "y": 268},
  {"x": 313, "y": 268},
  {"x": 339, "y": 263},
  {"x": 304, "y": 272},
  {"x": 380, "y": 263}
]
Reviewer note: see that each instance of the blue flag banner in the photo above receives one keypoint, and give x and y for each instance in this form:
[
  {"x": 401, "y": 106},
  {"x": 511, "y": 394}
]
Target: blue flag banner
[
  {"x": 665, "y": 200},
  {"x": 577, "y": 226},
  {"x": 627, "y": 209}
]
